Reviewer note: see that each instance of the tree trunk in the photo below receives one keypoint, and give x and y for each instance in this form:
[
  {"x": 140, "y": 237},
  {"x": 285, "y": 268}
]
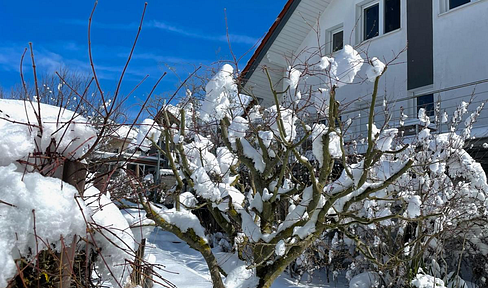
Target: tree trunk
[
  {"x": 74, "y": 173},
  {"x": 213, "y": 267}
]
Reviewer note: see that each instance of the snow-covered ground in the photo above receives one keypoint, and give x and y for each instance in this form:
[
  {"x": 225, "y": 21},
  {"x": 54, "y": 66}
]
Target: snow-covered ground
[{"x": 185, "y": 267}]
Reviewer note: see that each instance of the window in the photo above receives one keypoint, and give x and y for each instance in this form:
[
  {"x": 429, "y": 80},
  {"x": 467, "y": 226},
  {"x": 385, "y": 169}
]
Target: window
[
  {"x": 392, "y": 15},
  {"x": 426, "y": 102},
  {"x": 380, "y": 17},
  {"x": 456, "y": 3},
  {"x": 371, "y": 21},
  {"x": 337, "y": 40},
  {"x": 446, "y": 5}
]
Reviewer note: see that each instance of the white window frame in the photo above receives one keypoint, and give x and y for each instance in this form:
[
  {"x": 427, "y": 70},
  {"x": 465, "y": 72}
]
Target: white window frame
[
  {"x": 424, "y": 90},
  {"x": 330, "y": 39},
  {"x": 381, "y": 21},
  {"x": 380, "y": 17},
  {"x": 444, "y": 5}
]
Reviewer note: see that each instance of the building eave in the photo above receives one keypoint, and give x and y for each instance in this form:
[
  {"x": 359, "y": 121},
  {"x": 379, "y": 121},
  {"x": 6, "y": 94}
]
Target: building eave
[{"x": 268, "y": 40}]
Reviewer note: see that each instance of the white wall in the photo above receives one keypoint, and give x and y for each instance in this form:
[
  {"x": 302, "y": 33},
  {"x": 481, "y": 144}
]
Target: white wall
[{"x": 460, "y": 55}]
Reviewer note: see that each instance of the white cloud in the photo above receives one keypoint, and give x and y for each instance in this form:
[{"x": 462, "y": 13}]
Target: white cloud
[{"x": 183, "y": 31}]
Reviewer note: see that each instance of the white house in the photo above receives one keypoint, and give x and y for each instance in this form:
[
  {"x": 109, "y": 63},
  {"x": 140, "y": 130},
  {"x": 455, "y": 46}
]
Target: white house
[{"x": 438, "y": 50}]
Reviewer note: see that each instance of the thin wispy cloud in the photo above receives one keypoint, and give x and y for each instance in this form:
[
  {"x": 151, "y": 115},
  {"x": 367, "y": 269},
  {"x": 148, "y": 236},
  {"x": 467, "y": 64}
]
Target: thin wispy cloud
[
  {"x": 164, "y": 59},
  {"x": 182, "y": 31},
  {"x": 48, "y": 61},
  {"x": 234, "y": 38},
  {"x": 96, "y": 24}
]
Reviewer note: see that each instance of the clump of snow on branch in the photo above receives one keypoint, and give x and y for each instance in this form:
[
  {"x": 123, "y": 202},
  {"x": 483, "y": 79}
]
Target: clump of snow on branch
[
  {"x": 218, "y": 91},
  {"x": 343, "y": 67},
  {"x": 284, "y": 118},
  {"x": 183, "y": 219},
  {"x": 238, "y": 128},
  {"x": 427, "y": 281},
  {"x": 318, "y": 132},
  {"x": 149, "y": 132},
  {"x": 375, "y": 70}
]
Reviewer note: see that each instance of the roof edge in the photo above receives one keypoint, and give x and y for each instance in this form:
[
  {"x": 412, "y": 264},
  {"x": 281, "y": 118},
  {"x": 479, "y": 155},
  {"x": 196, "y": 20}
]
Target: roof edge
[{"x": 268, "y": 40}]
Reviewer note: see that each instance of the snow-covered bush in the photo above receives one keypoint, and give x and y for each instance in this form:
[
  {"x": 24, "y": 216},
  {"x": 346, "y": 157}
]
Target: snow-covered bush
[
  {"x": 45, "y": 218},
  {"x": 393, "y": 204}
]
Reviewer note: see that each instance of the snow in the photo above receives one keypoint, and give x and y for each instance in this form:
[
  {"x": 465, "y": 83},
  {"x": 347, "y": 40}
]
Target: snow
[
  {"x": 288, "y": 118},
  {"x": 16, "y": 145},
  {"x": 222, "y": 97},
  {"x": 113, "y": 236},
  {"x": 375, "y": 70},
  {"x": 427, "y": 281},
  {"x": 254, "y": 155},
  {"x": 365, "y": 280},
  {"x": 241, "y": 277},
  {"x": 204, "y": 186},
  {"x": 423, "y": 117},
  {"x": 238, "y": 128},
  {"x": 292, "y": 81},
  {"x": 184, "y": 220},
  {"x": 148, "y": 131},
  {"x": 280, "y": 248},
  {"x": 257, "y": 203},
  {"x": 187, "y": 199},
  {"x": 199, "y": 155},
  {"x": 45, "y": 202},
  {"x": 343, "y": 67},
  {"x": 165, "y": 172},
  {"x": 226, "y": 159},
  {"x": 266, "y": 136},
  {"x": 124, "y": 131},
  {"x": 69, "y": 131},
  {"x": 185, "y": 267},
  {"x": 335, "y": 151},
  {"x": 383, "y": 143},
  {"x": 325, "y": 62},
  {"x": 335, "y": 145},
  {"x": 140, "y": 225}
]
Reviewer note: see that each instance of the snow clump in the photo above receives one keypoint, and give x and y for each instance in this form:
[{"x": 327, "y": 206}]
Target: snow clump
[{"x": 375, "y": 70}]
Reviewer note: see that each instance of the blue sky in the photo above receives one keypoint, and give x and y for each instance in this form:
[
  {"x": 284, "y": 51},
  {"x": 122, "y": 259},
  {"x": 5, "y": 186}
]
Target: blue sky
[{"x": 176, "y": 36}]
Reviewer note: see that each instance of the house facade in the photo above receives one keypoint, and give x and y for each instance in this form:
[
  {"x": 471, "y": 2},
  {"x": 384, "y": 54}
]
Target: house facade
[{"x": 436, "y": 50}]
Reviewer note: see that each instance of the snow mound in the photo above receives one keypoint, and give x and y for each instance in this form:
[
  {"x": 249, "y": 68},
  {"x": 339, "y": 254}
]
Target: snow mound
[
  {"x": 20, "y": 132},
  {"x": 33, "y": 199},
  {"x": 113, "y": 236}
]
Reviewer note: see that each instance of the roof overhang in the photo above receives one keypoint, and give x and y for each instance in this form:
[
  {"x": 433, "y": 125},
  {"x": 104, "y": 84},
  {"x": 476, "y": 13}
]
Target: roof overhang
[{"x": 282, "y": 41}]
